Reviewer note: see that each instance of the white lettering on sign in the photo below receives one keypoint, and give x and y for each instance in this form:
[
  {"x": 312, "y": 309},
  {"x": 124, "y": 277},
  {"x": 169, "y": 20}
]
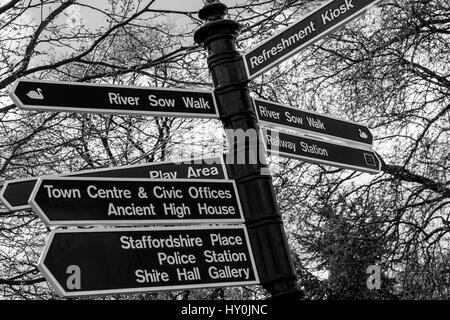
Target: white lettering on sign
[
  {"x": 131, "y": 210},
  {"x": 314, "y": 149},
  {"x": 186, "y": 274},
  {"x": 175, "y": 258},
  {"x": 269, "y": 113},
  {"x": 207, "y": 193},
  {"x": 116, "y": 98},
  {"x": 159, "y": 174},
  {"x": 62, "y": 193},
  {"x": 205, "y": 209},
  {"x": 280, "y": 47},
  {"x": 145, "y": 276},
  {"x": 228, "y": 272},
  {"x": 293, "y": 119},
  {"x": 179, "y": 211},
  {"x": 147, "y": 242},
  {"x": 201, "y": 103},
  {"x": 203, "y": 172},
  {"x": 218, "y": 239},
  {"x": 224, "y": 256},
  {"x": 316, "y": 123},
  {"x": 332, "y": 14},
  {"x": 163, "y": 193},
  {"x": 114, "y": 193},
  {"x": 155, "y": 102},
  {"x": 276, "y": 141}
]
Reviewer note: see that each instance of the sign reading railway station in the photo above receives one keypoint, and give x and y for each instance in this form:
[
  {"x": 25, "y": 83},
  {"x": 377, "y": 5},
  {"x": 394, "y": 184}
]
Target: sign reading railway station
[
  {"x": 114, "y": 201},
  {"x": 277, "y": 115},
  {"x": 306, "y": 31},
  {"x": 319, "y": 151},
  {"x": 131, "y": 260},
  {"x": 15, "y": 193},
  {"x": 113, "y": 99}
]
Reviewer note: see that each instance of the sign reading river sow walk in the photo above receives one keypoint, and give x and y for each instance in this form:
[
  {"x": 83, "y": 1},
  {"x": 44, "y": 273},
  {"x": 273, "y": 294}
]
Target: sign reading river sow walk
[
  {"x": 113, "y": 99},
  {"x": 81, "y": 262},
  {"x": 132, "y": 260}
]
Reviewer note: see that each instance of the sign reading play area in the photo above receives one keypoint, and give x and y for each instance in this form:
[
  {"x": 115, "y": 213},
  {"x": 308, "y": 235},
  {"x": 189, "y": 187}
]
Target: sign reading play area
[
  {"x": 113, "y": 99},
  {"x": 311, "y": 28},
  {"x": 131, "y": 260},
  {"x": 276, "y": 115},
  {"x": 319, "y": 151},
  {"x": 15, "y": 193},
  {"x": 114, "y": 201}
]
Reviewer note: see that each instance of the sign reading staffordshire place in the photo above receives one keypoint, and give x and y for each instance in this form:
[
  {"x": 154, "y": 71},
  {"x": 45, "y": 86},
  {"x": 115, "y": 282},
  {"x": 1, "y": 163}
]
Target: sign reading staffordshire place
[
  {"x": 123, "y": 260},
  {"x": 15, "y": 193},
  {"x": 114, "y": 201},
  {"x": 319, "y": 151},
  {"x": 310, "y": 28},
  {"x": 112, "y": 99},
  {"x": 277, "y": 115}
]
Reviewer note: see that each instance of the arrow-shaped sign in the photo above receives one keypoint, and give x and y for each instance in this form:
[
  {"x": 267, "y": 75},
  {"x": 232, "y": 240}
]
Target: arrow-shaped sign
[
  {"x": 306, "y": 31},
  {"x": 15, "y": 193},
  {"x": 131, "y": 260},
  {"x": 277, "y": 115},
  {"x": 112, "y": 99},
  {"x": 115, "y": 201},
  {"x": 319, "y": 151}
]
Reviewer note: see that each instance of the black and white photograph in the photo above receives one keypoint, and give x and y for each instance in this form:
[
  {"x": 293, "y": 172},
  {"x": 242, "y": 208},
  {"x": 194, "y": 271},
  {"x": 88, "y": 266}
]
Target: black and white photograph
[{"x": 224, "y": 159}]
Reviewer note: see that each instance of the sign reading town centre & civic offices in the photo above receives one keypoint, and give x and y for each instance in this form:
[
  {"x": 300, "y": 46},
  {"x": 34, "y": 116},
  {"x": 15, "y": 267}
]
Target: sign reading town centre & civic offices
[
  {"x": 112, "y": 99},
  {"x": 308, "y": 29},
  {"x": 130, "y": 260},
  {"x": 276, "y": 115},
  {"x": 115, "y": 201},
  {"x": 15, "y": 193}
]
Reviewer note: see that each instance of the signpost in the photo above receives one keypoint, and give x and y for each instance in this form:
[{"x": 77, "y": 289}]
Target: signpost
[
  {"x": 317, "y": 151},
  {"x": 132, "y": 260},
  {"x": 277, "y": 115},
  {"x": 306, "y": 31},
  {"x": 116, "y": 201},
  {"x": 15, "y": 193},
  {"x": 113, "y": 99}
]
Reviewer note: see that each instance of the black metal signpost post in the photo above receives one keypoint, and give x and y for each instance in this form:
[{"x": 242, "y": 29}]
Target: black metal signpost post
[{"x": 261, "y": 213}]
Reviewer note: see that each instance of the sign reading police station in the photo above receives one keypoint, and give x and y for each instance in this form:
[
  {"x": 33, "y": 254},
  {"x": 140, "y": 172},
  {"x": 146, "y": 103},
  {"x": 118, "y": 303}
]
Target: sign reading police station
[
  {"x": 114, "y": 201},
  {"x": 15, "y": 193},
  {"x": 123, "y": 260},
  {"x": 310, "y": 28},
  {"x": 319, "y": 151},
  {"x": 113, "y": 99}
]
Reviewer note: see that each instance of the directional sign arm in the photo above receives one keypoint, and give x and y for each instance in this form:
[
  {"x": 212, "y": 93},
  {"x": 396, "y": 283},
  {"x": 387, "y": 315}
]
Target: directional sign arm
[
  {"x": 320, "y": 151},
  {"x": 306, "y": 31},
  {"x": 63, "y": 96}
]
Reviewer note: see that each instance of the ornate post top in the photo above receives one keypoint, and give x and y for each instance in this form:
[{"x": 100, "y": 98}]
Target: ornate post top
[{"x": 213, "y": 10}]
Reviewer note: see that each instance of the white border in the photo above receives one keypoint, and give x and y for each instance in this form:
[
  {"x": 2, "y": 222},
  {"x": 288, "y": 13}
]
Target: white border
[
  {"x": 313, "y": 133},
  {"x": 68, "y": 174},
  {"x": 63, "y": 293},
  {"x": 105, "y": 222},
  {"x": 302, "y": 46},
  {"x": 167, "y": 113},
  {"x": 320, "y": 161}
]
